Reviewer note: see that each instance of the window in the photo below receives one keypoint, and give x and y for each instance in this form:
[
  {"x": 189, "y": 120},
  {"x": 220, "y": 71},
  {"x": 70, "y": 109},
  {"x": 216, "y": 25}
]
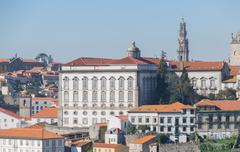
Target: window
[
  {"x": 140, "y": 120},
  {"x": 130, "y": 96},
  {"x": 194, "y": 83},
  {"x": 66, "y": 121},
  {"x": 169, "y": 129},
  {"x": 103, "y": 113},
  {"x": 85, "y": 83},
  {"x": 132, "y": 119},
  {"x": 121, "y": 96},
  {"x": 121, "y": 83},
  {"x": 130, "y": 83},
  {"x": 191, "y": 120},
  {"x": 120, "y": 113},
  {"x": 112, "y": 96},
  {"x": 162, "y": 128},
  {"x": 169, "y": 120},
  {"x": 75, "y": 120},
  {"x": 192, "y": 128},
  {"x": 154, "y": 120},
  {"x": 60, "y": 143},
  {"x": 112, "y": 83},
  {"x": 47, "y": 143},
  {"x": 184, "y": 129},
  {"x": 103, "y": 96},
  {"x": 103, "y": 83},
  {"x": 85, "y": 121},
  {"x": 212, "y": 83},
  {"x": 94, "y": 83},
  {"x": 66, "y": 83},
  {"x": 94, "y": 113},
  {"x": 203, "y": 83},
  {"x": 147, "y": 120},
  {"x": 85, "y": 113},
  {"x": 75, "y": 83},
  {"x": 75, "y": 96},
  {"x": 184, "y": 120},
  {"x": 75, "y": 113},
  {"x": 65, "y": 113},
  {"x": 85, "y": 96},
  {"x": 161, "y": 120},
  {"x": 192, "y": 111},
  {"x": 94, "y": 96},
  {"x": 66, "y": 96},
  {"x": 112, "y": 113}
]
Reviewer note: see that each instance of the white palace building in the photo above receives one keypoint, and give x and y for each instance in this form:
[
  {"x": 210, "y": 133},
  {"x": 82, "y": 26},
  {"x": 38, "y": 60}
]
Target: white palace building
[{"x": 93, "y": 89}]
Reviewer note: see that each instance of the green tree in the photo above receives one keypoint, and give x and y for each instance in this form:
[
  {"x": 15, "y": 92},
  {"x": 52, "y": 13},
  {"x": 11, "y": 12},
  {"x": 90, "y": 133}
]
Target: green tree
[
  {"x": 227, "y": 94},
  {"x": 162, "y": 138},
  {"x": 131, "y": 129},
  {"x": 162, "y": 91},
  {"x": 182, "y": 90}
]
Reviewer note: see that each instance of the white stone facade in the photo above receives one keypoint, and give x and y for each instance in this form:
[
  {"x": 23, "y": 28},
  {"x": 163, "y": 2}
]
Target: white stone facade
[
  {"x": 31, "y": 145},
  {"x": 91, "y": 94}
]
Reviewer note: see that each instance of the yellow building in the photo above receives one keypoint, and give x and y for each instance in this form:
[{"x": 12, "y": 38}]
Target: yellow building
[{"x": 102, "y": 147}]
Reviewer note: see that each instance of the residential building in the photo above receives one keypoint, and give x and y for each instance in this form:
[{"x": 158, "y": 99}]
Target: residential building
[
  {"x": 31, "y": 140},
  {"x": 102, "y": 147},
  {"x": 80, "y": 146},
  {"x": 114, "y": 136},
  {"x": 142, "y": 144},
  {"x": 39, "y": 103},
  {"x": 9, "y": 119},
  {"x": 175, "y": 119},
  {"x": 217, "y": 118},
  {"x": 120, "y": 122},
  {"x": 48, "y": 115}
]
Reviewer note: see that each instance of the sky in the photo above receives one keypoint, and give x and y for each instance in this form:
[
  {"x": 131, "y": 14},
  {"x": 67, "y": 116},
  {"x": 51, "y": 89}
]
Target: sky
[{"x": 68, "y": 29}]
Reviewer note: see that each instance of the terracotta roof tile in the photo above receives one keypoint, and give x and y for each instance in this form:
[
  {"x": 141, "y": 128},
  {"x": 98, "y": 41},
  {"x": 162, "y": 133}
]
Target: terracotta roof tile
[
  {"x": 4, "y": 60},
  {"x": 47, "y": 113},
  {"x": 197, "y": 65},
  {"x": 123, "y": 117},
  {"x": 173, "y": 107},
  {"x": 102, "y": 124},
  {"x": 38, "y": 125},
  {"x": 103, "y": 145},
  {"x": 28, "y": 133},
  {"x": 10, "y": 113},
  {"x": 227, "y": 105},
  {"x": 234, "y": 70},
  {"x": 143, "y": 139}
]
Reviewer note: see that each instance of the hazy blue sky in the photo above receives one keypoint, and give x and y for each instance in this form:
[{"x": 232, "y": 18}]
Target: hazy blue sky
[{"x": 68, "y": 29}]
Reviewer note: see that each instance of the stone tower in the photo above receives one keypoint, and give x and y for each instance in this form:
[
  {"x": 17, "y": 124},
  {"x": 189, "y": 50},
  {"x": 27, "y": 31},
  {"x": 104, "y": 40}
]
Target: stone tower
[
  {"x": 134, "y": 51},
  {"x": 235, "y": 50},
  {"x": 182, "y": 51},
  {"x": 25, "y": 104}
]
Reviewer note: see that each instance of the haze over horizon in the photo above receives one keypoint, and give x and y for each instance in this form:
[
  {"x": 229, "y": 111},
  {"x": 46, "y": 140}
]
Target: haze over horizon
[{"x": 71, "y": 29}]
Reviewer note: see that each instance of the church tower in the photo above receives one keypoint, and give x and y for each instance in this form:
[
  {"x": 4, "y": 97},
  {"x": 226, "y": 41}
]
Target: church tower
[
  {"x": 182, "y": 51},
  {"x": 235, "y": 50},
  {"x": 134, "y": 51}
]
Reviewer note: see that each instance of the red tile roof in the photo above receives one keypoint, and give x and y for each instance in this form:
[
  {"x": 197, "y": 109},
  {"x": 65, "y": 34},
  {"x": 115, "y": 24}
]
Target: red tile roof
[
  {"x": 197, "y": 65},
  {"x": 173, "y": 107},
  {"x": 81, "y": 143},
  {"x": 234, "y": 70},
  {"x": 47, "y": 113},
  {"x": 102, "y": 124},
  {"x": 103, "y": 145},
  {"x": 10, "y": 113},
  {"x": 38, "y": 125},
  {"x": 4, "y": 60},
  {"x": 143, "y": 139},
  {"x": 123, "y": 117},
  {"x": 28, "y": 133},
  {"x": 227, "y": 105},
  {"x": 43, "y": 99}
]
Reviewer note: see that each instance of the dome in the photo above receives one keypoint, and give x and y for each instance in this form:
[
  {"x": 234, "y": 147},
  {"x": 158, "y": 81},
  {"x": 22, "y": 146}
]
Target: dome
[{"x": 133, "y": 51}]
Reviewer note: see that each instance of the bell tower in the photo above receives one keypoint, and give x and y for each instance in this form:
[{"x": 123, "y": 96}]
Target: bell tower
[
  {"x": 235, "y": 50},
  {"x": 182, "y": 51}
]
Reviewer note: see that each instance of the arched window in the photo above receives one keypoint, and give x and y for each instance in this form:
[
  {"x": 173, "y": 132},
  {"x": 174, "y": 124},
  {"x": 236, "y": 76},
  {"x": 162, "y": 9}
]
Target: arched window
[
  {"x": 85, "y": 96},
  {"x": 121, "y": 83},
  {"x": 112, "y": 83},
  {"x": 130, "y": 96},
  {"x": 75, "y": 83},
  {"x": 103, "y": 96},
  {"x": 75, "y": 96},
  {"x": 112, "y": 96},
  {"x": 66, "y": 96},
  {"x": 130, "y": 83},
  {"x": 66, "y": 83},
  {"x": 103, "y": 83},
  {"x": 94, "y": 83},
  {"x": 85, "y": 83},
  {"x": 94, "y": 96},
  {"x": 120, "y": 113},
  {"x": 121, "y": 96}
]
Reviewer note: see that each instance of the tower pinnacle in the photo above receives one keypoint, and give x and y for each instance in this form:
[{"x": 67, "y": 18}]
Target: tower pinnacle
[{"x": 183, "y": 52}]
